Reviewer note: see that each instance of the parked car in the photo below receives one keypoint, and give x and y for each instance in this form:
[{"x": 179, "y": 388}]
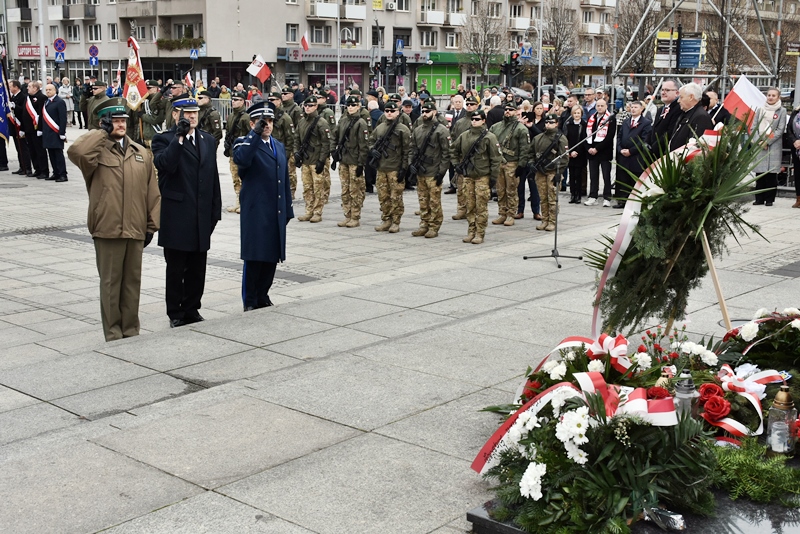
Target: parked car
[
  {"x": 522, "y": 93},
  {"x": 561, "y": 90}
]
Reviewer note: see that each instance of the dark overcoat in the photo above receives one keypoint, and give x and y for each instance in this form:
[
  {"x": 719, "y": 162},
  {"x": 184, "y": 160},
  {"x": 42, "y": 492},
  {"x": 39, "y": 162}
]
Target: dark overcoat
[
  {"x": 191, "y": 202},
  {"x": 265, "y": 198},
  {"x": 634, "y": 139},
  {"x": 56, "y": 110},
  {"x": 693, "y": 122}
]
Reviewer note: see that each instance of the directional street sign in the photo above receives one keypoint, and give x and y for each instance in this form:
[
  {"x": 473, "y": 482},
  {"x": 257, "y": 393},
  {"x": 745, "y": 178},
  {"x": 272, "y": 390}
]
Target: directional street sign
[
  {"x": 59, "y": 57},
  {"x": 60, "y": 45},
  {"x": 93, "y": 51},
  {"x": 193, "y": 54},
  {"x": 93, "y": 61},
  {"x": 793, "y": 48}
]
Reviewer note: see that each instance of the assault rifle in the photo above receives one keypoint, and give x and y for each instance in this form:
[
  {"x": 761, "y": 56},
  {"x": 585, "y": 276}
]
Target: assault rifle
[
  {"x": 378, "y": 151},
  {"x": 417, "y": 166},
  {"x": 302, "y": 152},
  {"x": 336, "y": 157},
  {"x": 466, "y": 163}
]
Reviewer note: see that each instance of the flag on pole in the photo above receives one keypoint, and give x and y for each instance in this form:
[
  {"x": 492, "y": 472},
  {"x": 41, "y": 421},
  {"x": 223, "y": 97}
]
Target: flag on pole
[
  {"x": 4, "y": 108},
  {"x": 135, "y": 86},
  {"x": 745, "y": 101},
  {"x": 187, "y": 80},
  {"x": 259, "y": 69},
  {"x": 304, "y": 41}
]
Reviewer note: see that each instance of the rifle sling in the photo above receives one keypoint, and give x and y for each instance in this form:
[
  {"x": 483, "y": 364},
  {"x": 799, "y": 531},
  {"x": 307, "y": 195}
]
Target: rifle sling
[
  {"x": 424, "y": 147},
  {"x": 473, "y": 149},
  {"x": 307, "y": 136}
]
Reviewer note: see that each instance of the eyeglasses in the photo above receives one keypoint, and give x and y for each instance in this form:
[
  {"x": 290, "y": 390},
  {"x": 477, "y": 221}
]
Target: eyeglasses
[
  {"x": 309, "y": 105},
  {"x": 352, "y": 105},
  {"x": 476, "y": 119},
  {"x": 668, "y": 90}
]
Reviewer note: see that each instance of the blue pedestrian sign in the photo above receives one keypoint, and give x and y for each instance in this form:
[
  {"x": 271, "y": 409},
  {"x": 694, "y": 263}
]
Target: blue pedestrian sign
[
  {"x": 93, "y": 61},
  {"x": 526, "y": 52},
  {"x": 59, "y": 57},
  {"x": 193, "y": 54},
  {"x": 400, "y": 45}
]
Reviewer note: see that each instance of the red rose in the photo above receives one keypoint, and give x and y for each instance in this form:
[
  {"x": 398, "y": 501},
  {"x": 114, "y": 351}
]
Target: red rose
[
  {"x": 717, "y": 407},
  {"x": 531, "y": 389},
  {"x": 641, "y": 348},
  {"x": 709, "y": 390},
  {"x": 657, "y": 392}
]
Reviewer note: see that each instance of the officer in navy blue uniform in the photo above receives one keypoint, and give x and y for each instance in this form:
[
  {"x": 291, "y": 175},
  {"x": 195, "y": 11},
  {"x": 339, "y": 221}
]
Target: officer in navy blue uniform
[
  {"x": 266, "y": 205},
  {"x": 191, "y": 205}
]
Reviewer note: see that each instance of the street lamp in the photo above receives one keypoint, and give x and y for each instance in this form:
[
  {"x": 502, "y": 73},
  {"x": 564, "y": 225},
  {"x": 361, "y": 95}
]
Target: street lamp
[{"x": 538, "y": 30}]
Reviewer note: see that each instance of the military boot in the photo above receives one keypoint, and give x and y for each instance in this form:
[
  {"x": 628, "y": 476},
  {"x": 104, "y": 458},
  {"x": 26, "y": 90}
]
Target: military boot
[
  {"x": 542, "y": 226},
  {"x": 342, "y": 224},
  {"x": 431, "y": 233},
  {"x": 385, "y": 225},
  {"x": 509, "y": 221},
  {"x": 316, "y": 218},
  {"x": 421, "y": 231},
  {"x": 477, "y": 240},
  {"x": 469, "y": 238},
  {"x": 460, "y": 215},
  {"x": 394, "y": 228},
  {"x": 304, "y": 218},
  {"x": 353, "y": 223},
  {"x": 550, "y": 227},
  {"x": 501, "y": 219}
]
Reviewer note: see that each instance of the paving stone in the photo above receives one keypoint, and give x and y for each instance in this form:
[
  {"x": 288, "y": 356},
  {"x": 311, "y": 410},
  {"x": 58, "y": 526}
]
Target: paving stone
[
  {"x": 26, "y": 354},
  {"x": 234, "y": 367},
  {"x": 339, "y": 310},
  {"x": 370, "y": 484},
  {"x": 230, "y": 440},
  {"x": 32, "y": 420},
  {"x": 405, "y": 294},
  {"x": 262, "y": 327},
  {"x": 208, "y": 513},
  {"x": 467, "y": 305},
  {"x": 404, "y": 322},
  {"x": 325, "y": 343},
  {"x": 11, "y": 400},
  {"x": 55, "y": 493},
  {"x": 474, "y": 279}
]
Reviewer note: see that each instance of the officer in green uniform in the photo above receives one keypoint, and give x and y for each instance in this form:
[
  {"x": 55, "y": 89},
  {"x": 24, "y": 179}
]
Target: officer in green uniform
[
  {"x": 97, "y": 101},
  {"x": 362, "y": 111},
  {"x": 546, "y": 147},
  {"x": 514, "y": 145},
  {"x": 392, "y": 166},
  {"x": 430, "y": 159},
  {"x": 328, "y": 116},
  {"x": 295, "y": 112},
  {"x": 149, "y": 118},
  {"x": 405, "y": 120},
  {"x": 238, "y": 125},
  {"x": 282, "y": 125},
  {"x": 313, "y": 157},
  {"x": 176, "y": 89},
  {"x": 352, "y": 142},
  {"x": 209, "y": 120},
  {"x": 476, "y": 156},
  {"x": 461, "y": 126}
]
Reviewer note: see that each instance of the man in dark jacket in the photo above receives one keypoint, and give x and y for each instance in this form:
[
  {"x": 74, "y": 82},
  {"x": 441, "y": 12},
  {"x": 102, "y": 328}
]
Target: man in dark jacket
[
  {"x": 266, "y": 205},
  {"x": 600, "y": 132},
  {"x": 52, "y": 129},
  {"x": 31, "y": 116},
  {"x": 694, "y": 120},
  {"x": 191, "y": 205},
  {"x": 18, "y": 99},
  {"x": 631, "y": 140},
  {"x": 666, "y": 117}
]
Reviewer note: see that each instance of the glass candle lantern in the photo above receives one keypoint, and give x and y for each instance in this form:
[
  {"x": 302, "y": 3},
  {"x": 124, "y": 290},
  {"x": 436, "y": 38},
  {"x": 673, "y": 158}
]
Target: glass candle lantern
[
  {"x": 781, "y": 423},
  {"x": 686, "y": 395}
]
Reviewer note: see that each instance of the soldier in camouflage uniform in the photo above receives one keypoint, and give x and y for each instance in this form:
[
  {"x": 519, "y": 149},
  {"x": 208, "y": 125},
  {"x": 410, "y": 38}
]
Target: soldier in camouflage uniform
[
  {"x": 548, "y": 191},
  {"x": 320, "y": 145},
  {"x": 93, "y": 104},
  {"x": 433, "y": 164},
  {"x": 478, "y": 172},
  {"x": 352, "y": 143},
  {"x": 209, "y": 120},
  {"x": 514, "y": 145},
  {"x": 238, "y": 125},
  {"x": 149, "y": 118},
  {"x": 294, "y": 111},
  {"x": 282, "y": 125},
  {"x": 405, "y": 120},
  {"x": 392, "y": 167},
  {"x": 362, "y": 111},
  {"x": 328, "y": 116},
  {"x": 463, "y": 125}
]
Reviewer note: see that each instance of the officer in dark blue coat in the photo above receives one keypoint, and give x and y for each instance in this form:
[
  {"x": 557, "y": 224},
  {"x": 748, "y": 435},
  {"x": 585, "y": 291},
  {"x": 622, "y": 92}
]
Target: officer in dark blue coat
[
  {"x": 53, "y": 131},
  {"x": 266, "y": 205},
  {"x": 191, "y": 205}
]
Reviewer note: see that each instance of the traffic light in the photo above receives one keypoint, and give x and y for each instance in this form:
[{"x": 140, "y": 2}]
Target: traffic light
[
  {"x": 403, "y": 66},
  {"x": 514, "y": 63},
  {"x": 384, "y": 65},
  {"x": 376, "y": 69}
]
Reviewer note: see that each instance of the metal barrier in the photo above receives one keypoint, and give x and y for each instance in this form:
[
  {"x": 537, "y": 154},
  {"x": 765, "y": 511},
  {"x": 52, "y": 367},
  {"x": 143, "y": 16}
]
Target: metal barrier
[{"x": 223, "y": 106}]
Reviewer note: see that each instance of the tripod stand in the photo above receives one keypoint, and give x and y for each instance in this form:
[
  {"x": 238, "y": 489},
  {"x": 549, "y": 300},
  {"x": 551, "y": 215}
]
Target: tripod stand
[{"x": 554, "y": 253}]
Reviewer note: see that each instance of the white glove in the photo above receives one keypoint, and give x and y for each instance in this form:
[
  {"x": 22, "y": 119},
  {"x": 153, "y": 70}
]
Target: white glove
[
  {"x": 21, "y": 134},
  {"x": 39, "y": 133},
  {"x": 63, "y": 137},
  {"x": 12, "y": 105}
]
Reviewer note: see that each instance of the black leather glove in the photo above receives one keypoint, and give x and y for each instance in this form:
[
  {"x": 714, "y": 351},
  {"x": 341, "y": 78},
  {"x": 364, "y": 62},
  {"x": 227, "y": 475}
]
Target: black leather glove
[
  {"x": 439, "y": 179},
  {"x": 333, "y": 164},
  {"x": 165, "y": 89},
  {"x": 359, "y": 171},
  {"x": 401, "y": 176},
  {"x": 148, "y": 238},
  {"x": 412, "y": 170},
  {"x": 107, "y": 124},
  {"x": 258, "y": 129},
  {"x": 521, "y": 171},
  {"x": 227, "y": 152},
  {"x": 298, "y": 160},
  {"x": 374, "y": 155},
  {"x": 320, "y": 167},
  {"x": 183, "y": 127}
]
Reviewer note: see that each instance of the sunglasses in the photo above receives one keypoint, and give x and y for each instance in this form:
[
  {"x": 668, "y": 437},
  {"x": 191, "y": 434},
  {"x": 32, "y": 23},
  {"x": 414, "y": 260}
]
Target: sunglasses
[
  {"x": 352, "y": 105},
  {"x": 550, "y": 122},
  {"x": 476, "y": 119},
  {"x": 471, "y": 104},
  {"x": 309, "y": 105},
  {"x": 392, "y": 110}
]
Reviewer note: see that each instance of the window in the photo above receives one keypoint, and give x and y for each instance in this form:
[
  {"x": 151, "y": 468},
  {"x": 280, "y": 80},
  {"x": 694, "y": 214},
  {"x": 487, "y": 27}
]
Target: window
[
  {"x": 153, "y": 33},
  {"x": 355, "y": 2},
  {"x": 24, "y": 34},
  {"x": 605, "y": 18},
  {"x": 586, "y": 46},
  {"x": 515, "y": 41},
  {"x": 292, "y": 31},
  {"x": 515, "y": 12},
  {"x": 291, "y": 2},
  {"x": 74, "y": 34},
  {"x": 601, "y": 46},
  {"x": 93, "y": 33},
  {"x": 112, "y": 1},
  {"x": 536, "y": 12},
  {"x": 428, "y": 5},
  {"x": 401, "y": 5},
  {"x": 428, "y": 38},
  {"x": 93, "y": 2},
  {"x": 454, "y": 6},
  {"x": 113, "y": 34},
  {"x": 2, "y": 23},
  {"x": 377, "y": 36},
  {"x": 321, "y": 34},
  {"x": 351, "y": 34},
  {"x": 404, "y": 34},
  {"x": 588, "y": 16},
  {"x": 494, "y": 41},
  {"x": 54, "y": 33},
  {"x": 184, "y": 30},
  {"x": 495, "y": 8},
  {"x": 452, "y": 40},
  {"x": 141, "y": 33},
  {"x": 568, "y": 14}
]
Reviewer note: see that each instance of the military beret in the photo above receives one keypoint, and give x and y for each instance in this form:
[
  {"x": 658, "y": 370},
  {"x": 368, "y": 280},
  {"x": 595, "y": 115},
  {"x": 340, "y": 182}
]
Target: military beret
[
  {"x": 239, "y": 94},
  {"x": 259, "y": 110},
  {"x": 185, "y": 102},
  {"x": 510, "y": 105},
  {"x": 478, "y": 114},
  {"x": 430, "y": 105},
  {"x": 321, "y": 96},
  {"x": 395, "y": 97},
  {"x": 423, "y": 97},
  {"x": 114, "y": 107},
  {"x": 471, "y": 100},
  {"x": 390, "y": 106},
  {"x": 310, "y": 100},
  {"x": 204, "y": 93},
  {"x": 152, "y": 83},
  {"x": 99, "y": 83},
  {"x": 352, "y": 99},
  {"x": 551, "y": 117},
  {"x": 275, "y": 94},
  {"x": 355, "y": 92},
  {"x": 287, "y": 90}
]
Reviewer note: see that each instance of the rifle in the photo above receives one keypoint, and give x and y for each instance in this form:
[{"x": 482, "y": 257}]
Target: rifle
[
  {"x": 463, "y": 167},
  {"x": 302, "y": 152},
  {"x": 336, "y": 157},
  {"x": 229, "y": 139},
  {"x": 378, "y": 151},
  {"x": 541, "y": 163},
  {"x": 417, "y": 166}
]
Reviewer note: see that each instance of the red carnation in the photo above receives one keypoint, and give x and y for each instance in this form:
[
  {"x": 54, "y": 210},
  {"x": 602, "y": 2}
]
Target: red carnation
[
  {"x": 531, "y": 389},
  {"x": 717, "y": 407},
  {"x": 657, "y": 392},
  {"x": 731, "y": 334},
  {"x": 709, "y": 390},
  {"x": 674, "y": 355},
  {"x": 658, "y": 347},
  {"x": 641, "y": 348}
]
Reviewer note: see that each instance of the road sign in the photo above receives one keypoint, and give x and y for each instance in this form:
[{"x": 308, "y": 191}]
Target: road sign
[
  {"x": 93, "y": 51},
  {"x": 400, "y": 45},
  {"x": 60, "y": 45},
  {"x": 193, "y": 54},
  {"x": 59, "y": 57},
  {"x": 93, "y": 61},
  {"x": 548, "y": 45},
  {"x": 793, "y": 48},
  {"x": 526, "y": 51},
  {"x": 203, "y": 50}
]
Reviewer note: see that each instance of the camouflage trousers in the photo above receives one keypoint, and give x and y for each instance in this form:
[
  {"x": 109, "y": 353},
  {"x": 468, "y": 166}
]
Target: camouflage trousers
[
  {"x": 430, "y": 203},
  {"x": 326, "y": 184},
  {"x": 237, "y": 182},
  {"x": 461, "y": 198},
  {"x": 292, "y": 173},
  {"x": 353, "y": 191},
  {"x": 477, "y": 192},
  {"x": 507, "y": 183},
  {"x": 313, "y": 190},
  {"x": 390, "y": 196},
  {"x": 548, "y": 196}
]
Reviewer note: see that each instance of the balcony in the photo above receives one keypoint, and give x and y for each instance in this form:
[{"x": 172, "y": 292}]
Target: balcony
[
  {"x": 18, "y": 14},
  {"x": 431, "y": 17},
  {"x": 355, "y": 12},
  {"x": 519, "y": 23},
  {"x": 172, "y": 8},
  {"x": 80, "y": 12},
  {"x": 137, "y": 9},
  {"x": 596, "y": 3},
  {"x": 456, "y": 19},
  {"x": 591, "y": 28},
  {"x": 55, "y": 13},
  {"x": 324, "y": 10}
]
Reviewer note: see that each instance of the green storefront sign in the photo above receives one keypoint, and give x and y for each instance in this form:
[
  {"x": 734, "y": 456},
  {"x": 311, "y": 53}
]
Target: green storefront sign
[{"x": 443, "y": 77}]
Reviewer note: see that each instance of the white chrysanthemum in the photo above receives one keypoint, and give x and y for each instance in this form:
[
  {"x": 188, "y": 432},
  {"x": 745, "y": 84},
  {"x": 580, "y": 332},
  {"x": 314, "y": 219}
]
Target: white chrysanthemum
[
  {"x": 569, "y": 356},
  {"x": 515, "y": 433},
  {"x": 643, "y": 360},
  {"x": 698, "y": 349},
  {"x": 687, "y": 347},
  {"x": 709, "y": 358},
  {"x": 675, "y": 345},
  {"x": 575, "y": 453},
  {"x": 596, "y": 366},
  {"x": 549, "y": 365},
  {"x": 791, "y": 311},
  {"x": 523, "y": 417},
  {"x": 762, "y": 312},
  {"x": 558, "y": 372},
  {"x": 531, "y": 483},
  {"x": 796, "y": 324},
  {"x": 749, "y": 331},
  {"x": 746, "y": 370}
]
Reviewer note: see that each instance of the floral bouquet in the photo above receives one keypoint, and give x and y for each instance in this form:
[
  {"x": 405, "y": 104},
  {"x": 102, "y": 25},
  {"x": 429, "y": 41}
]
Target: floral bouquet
[{"x": 771, "y": 339}]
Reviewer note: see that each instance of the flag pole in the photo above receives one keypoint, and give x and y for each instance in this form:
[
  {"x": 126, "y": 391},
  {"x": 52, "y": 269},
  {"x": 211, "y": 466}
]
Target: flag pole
[{"x": 717, "y": 287}]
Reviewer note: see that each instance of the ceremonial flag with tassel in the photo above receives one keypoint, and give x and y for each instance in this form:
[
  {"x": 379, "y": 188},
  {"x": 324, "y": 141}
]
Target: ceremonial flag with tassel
[
  {"x": 135, "y": 86},
  {"x": 4, "y": 107}
]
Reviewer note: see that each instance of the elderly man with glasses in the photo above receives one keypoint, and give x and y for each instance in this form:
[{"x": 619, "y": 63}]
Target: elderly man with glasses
[{"x": 314, "y": 144}]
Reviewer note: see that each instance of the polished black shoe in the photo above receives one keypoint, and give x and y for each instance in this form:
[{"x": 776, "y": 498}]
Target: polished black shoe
[
  {"x": 4, "y": 168},
  {"x": 619, "y": 205},
  {"x": 41, "y": 176},
  {"x": 52, "y": 177},
  {"x": 758, "y": 203},
  {"x": 573, "y": 199},
  {"x": 768, "y": 204},
  {"x": 31, "y": 175},
  {"x": 175, "y": 323},
  {"x": 191, "y": 319},
  {"x": 249, "y": 308},
  {"x": 62, "y": 179},
  {"x": 266, "y": 305},
  {"x": 450, "y": 191},
  {"x": 20, "y": 172}
]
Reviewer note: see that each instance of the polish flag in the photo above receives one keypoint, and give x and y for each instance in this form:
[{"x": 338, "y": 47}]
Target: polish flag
[
  {"x": 135, "y": 86},
  {"x": 187, "y": 80},
  {"x": 304, "y": 41},
  {"x": 745, "y": 101},
  {"x": 259, "y": 69}
]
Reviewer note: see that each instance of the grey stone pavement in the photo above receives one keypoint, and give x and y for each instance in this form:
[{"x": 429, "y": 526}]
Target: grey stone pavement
[{"x": 349, "y": 407}]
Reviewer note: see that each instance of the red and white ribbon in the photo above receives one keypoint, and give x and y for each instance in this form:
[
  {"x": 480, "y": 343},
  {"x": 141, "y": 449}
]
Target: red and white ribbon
[
  {"x": 48, "y": 120},
  {"x": 615, "y": 347},
  {"x": 32, "y": 112},
  {"x": 751, "y": 389}
]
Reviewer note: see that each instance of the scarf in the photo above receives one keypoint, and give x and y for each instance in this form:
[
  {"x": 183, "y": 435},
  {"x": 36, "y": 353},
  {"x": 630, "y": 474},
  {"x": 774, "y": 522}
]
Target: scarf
[
  {"x": 770, "y": 121},
  {"x": 602, "y": 132}
]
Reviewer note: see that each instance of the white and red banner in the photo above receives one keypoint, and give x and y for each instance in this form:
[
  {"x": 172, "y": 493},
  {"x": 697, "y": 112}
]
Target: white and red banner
[
  {"x": 304, "y": 41},
  {"x": 259, "y": 69},
  {"x": 135, "y": 86},
  {"x": 48, "y": 120},
  {"x": 32, "y": 112},
  {"x": 745, "y": 101},
  {"x": 187, "y": 80}
]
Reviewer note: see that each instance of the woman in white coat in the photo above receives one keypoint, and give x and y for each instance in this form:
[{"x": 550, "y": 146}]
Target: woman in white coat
[
  {"x": 770, "y": 163},
  {"x": 65, "y": 94}
]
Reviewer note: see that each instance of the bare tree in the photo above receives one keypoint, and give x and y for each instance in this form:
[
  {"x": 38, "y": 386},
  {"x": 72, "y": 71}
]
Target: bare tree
[
  {"x": 561, "y": 31},
  {"x": 790, "y": 32},
  {"x": 630, "y": 14},
  {"x": 484, "y": 37},
  {"x": 714, "y": 26}
]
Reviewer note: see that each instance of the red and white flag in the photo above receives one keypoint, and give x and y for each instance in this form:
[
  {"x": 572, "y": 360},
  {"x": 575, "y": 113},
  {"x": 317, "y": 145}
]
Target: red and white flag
[
  {"x": 745, "y": 101},
  {"x": 187, "y": 81},
  {"x": 135, "y": 86},
  {"x": 304, "y": 41},
  {"x": 259, "y": 69}
]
